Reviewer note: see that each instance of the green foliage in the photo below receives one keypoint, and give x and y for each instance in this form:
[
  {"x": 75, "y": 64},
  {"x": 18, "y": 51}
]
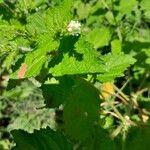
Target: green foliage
[
  {"x": 85, "y": 60},
  {"x": 81, "y": 110},
  {"x": 99, "y": 37},
  {"x": 44, "y": 139},
  {"x": 101, "y": 140},
  {"x": 79, "y": 59},
  {"x": 115, "y": 65},
  {"x": 126, "y": 7},
  {"x": 138, "y": 138},
  {"x": 145, "y": 4},
  {"x": 53, "y": 76},
  {"x": 116, "y": 46}
]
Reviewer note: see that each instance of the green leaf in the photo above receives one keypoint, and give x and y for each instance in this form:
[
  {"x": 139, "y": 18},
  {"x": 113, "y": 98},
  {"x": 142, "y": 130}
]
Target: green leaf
[
  {"x": 36, "y": 59},
  {"x": 36, "y": 24},
  {"x": 34, "y": 65},
  {"x": 26, "y": 6},
  {"x": 44, "y": 139},
  {"x": 58, "y": 18},
  {"x": 138, "y": 138},
  {"x": 145, "y": 4},
  {"x": 99, "y": 37},
  {"x": 115, "y": 65},
  {"x": 83, "y": 59},
  {"x": 46, "y": 43},
  {"x": 116, "y": 46},
  {"x": 100, "y": 140},
  {"x": 34, "y": 62},
  {"x": 7, "y": 36},
  {"x": 83, "y": 10},
  {"x": 81, "y": 110},
  {"x": 147, "y": 53},
  {"x": 140, "y": 51},
  {"x": 110, "y": 17},
  {"x": 52, "y": 21},
  {"x": 79, "y": 60},
  {"x": 9, "y": 59},
  {"x": 56, "y": 94},
  {"x": 125, "y": 7}
]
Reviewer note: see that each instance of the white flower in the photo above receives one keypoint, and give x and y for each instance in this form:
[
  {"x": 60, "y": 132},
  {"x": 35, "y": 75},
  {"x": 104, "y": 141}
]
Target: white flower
[
  {"x": 74, "y": 27},
  {"x": 25, "y": 49}
]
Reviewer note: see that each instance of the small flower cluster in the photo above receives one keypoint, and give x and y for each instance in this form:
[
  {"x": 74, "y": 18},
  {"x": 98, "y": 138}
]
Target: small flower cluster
[{"x": 74, "y": 27}]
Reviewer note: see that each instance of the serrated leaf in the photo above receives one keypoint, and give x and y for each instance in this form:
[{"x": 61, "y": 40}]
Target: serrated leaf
[
  {"x": 85, "y": 60},
  {"x": 51, "y": 21},
  {"x": 138, "y": 138},
  {"x": 115, "y": 65},
  {"x": 36, "y": 24},
  {"x": 81, "y": 110},
  {"x": 46, "y": 43},
  {"x": 44, "y": 139},
  {"x": 79, "y": 60},
  {"x": 34, "y": 62},
  {"x": 34, "y": 65},
  {"x": 99, "y": 37},
  {"x": 58, "y": 17},
  {"x": 22, "y": 42}
]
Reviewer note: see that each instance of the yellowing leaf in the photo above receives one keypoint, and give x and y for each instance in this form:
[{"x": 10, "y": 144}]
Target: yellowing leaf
[{"x": 107, "y": 90}]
